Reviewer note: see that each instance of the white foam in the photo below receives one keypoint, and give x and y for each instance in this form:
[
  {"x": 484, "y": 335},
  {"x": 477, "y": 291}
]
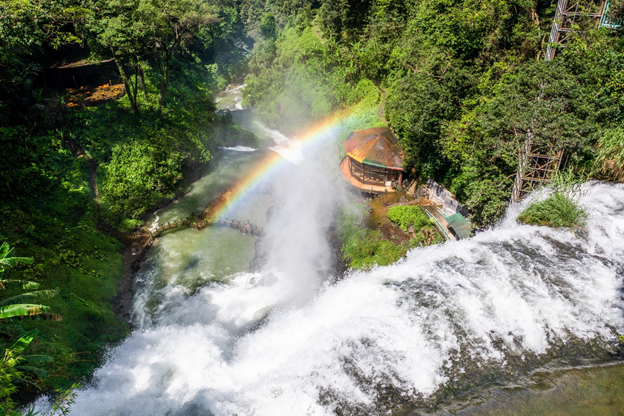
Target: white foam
[
  {"x": 154, "y": 225},
  {"x": 240, "y": 149},
  {"x": 273, "y": 134},
  {"x": 395, "y": 325}
]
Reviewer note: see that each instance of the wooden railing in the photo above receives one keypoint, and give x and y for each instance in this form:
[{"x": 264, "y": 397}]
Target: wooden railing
[{"x": 205, "y": 218}]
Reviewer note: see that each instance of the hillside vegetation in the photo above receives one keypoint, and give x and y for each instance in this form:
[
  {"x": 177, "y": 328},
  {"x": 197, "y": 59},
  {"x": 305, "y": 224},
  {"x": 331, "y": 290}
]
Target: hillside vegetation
[
  {"x": 460, "y": 81},
  {"x": 464, "y": 81},
  {"x": 141, "y": 150}
]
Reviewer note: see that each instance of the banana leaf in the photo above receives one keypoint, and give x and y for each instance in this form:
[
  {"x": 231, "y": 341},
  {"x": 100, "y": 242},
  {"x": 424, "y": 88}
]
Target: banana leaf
[
  {"x": 21, "y": 310},
  {"x": 29, "y": 297},
  {"x": 11, "y": 261},
  {"x": 23, "y": 342},
  {"x": 25, "y": 284}
]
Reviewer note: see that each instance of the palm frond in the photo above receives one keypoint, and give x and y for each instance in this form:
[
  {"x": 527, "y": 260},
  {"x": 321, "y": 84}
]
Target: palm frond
[
  {"x": 25, "y": 284},
  {"x": 29, "y": 368},
  {"x": 21, "y": 309},
  {"x": 29, "y": 297},
  {"x": 14, "y": 261},
  {"x": 35, "y": 359},
  {"x": 6, "y": 261},
  {"x": 23, "y": 342}
]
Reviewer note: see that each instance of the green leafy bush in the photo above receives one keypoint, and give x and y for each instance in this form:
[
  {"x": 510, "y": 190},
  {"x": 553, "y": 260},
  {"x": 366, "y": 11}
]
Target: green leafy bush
[
  {"x": 405, "y": 215},
  {"x": 137, "y": 177},
  {"x": 366, "y": 249},
  {"x": 561, "y": 208}
]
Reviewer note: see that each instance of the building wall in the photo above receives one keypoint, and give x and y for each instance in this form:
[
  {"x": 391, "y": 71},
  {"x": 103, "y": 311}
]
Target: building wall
[{"x": 439, "y": 195}]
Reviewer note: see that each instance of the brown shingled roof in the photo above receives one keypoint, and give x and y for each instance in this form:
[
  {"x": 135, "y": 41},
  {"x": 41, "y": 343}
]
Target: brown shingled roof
[{"x": 376, "y": 146}]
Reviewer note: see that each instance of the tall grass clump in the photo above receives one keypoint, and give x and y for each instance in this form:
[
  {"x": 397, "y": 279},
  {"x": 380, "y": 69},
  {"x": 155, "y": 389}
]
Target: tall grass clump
[
  {"x": 610, "y": 159},
  {"x": 561, "y": 208}
]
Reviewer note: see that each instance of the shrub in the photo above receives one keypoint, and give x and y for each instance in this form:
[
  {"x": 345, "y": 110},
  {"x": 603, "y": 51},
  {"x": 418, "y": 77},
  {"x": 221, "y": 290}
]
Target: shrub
[
  {"x": 366, "y": 249},
  {"x": 405, "y": 215},
  {"x": 561, "y": 208},
  {"x": 137, "y": 177}
]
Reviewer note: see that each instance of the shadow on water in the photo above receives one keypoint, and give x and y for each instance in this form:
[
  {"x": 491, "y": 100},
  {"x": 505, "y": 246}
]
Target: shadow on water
[{"x": 592, "y": 391}]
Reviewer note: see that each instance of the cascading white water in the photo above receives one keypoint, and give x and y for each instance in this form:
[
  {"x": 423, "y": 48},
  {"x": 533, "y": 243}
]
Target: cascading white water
[
  {"x": 397, "y": 325},
  {"x": 286, "y": 342}
]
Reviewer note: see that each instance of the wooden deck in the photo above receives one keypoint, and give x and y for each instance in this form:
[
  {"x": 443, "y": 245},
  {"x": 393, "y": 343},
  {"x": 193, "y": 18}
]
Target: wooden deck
[{"x": 364, "y": 187}]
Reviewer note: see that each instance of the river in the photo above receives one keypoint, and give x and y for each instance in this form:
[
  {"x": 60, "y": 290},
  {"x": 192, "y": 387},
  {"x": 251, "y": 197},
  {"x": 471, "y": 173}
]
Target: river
[{"x": 467, "y": 327}]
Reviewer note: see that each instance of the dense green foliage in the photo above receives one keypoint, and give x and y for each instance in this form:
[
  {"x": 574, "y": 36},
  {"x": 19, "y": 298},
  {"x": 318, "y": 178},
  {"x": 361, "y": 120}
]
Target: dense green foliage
[
  {"x": 14, "y": 366},
  {"x": 406, "y": 215},
  {"x": 423, "y": 230},
  {"x": 140, "y": 150},
  {"x": 364, "y": 248},
  {"x": 367, "y": 249},
  {"x": 465, "y": 82}
]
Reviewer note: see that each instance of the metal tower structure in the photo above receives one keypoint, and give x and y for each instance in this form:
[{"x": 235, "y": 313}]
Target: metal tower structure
[
  {"x": 539, "y": 164},
  {"x": 537, "y": 167},
  {"x": 566, "y": 16}
]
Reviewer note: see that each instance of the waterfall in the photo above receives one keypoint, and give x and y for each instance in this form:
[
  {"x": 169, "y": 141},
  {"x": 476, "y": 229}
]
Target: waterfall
[
  {"x": 396, "y": 333},
  {"x": 288, "y": 340}
]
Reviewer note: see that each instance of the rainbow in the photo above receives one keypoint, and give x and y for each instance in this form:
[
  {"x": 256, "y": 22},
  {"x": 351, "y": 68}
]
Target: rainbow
[{"x": 315, "y": 135}]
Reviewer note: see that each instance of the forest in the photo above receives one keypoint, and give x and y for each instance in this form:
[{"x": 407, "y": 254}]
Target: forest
[{"x": 461, "y": 82}]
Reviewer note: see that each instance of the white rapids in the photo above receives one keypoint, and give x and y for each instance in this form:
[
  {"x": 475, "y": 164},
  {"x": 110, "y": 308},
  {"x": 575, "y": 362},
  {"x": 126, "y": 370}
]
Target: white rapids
[
  {"x": 287, "y": 342},
  {"x": 394, "y": 325}
]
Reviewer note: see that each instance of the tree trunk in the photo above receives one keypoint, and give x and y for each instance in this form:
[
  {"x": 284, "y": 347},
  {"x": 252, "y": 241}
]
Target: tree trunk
[
  {"x": 165, "y": 74},
  {"x": 143, "y": 83},
  {"x": 127, "y": 80}
]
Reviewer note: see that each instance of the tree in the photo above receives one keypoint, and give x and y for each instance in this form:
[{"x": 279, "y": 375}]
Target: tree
[
  {"x": 417, "y": 107},
  {"x": 137, "y": 31},
  {"x": 25, "y": 26},
  {"x": 120, "y": 31},
  {"x": 268, "y": 27},
  {"x": 172, "y": 26}
]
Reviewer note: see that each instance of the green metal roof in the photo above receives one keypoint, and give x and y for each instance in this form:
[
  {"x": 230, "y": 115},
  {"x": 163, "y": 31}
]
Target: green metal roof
[{"x": 459, "y": 224}]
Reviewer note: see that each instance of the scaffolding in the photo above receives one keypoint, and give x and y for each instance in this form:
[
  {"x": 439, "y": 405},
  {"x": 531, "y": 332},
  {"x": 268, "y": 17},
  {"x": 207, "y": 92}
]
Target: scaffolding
[
  {"x": 568, "y": 14},
  {"x": 539, "y": 164},
  {"x": 537, "y": 167}
]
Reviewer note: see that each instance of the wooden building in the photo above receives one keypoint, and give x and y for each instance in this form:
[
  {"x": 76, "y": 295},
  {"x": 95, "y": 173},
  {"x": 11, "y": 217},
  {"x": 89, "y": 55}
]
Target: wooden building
[{"x": 373, "y": 163}]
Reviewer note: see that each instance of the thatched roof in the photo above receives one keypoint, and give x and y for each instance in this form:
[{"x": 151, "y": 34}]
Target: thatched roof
[{"x": 376, "y": 147}]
